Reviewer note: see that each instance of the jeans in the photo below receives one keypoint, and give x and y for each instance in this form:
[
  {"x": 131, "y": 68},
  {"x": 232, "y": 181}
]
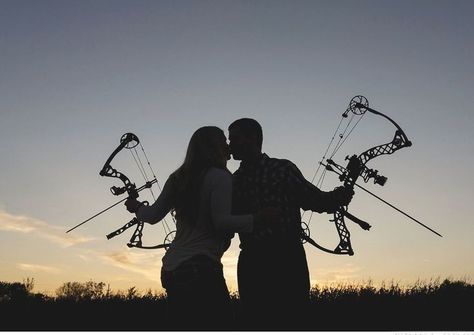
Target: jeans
[
  {"x": 197, "y": 295},
  {"x": 274, "y": 286}
]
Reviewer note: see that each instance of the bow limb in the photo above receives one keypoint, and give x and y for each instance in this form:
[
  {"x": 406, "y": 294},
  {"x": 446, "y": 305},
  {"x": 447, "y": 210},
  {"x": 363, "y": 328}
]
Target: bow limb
[
  {"x": 344, "y": 247},
  {"x": 128, "y": 141},
  {"x": 339, "y": 250},
  {"x": 136, "y": 239},
  {"x": 359, "y": 105}
]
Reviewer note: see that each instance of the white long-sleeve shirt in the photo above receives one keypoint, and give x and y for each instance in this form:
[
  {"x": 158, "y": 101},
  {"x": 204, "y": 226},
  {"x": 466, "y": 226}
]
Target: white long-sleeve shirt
[{"x": 207, "y": 235}]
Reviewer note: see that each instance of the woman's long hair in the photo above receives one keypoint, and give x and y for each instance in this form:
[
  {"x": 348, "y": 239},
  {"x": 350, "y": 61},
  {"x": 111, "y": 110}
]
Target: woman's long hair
[{"x": 204, "y": 151}]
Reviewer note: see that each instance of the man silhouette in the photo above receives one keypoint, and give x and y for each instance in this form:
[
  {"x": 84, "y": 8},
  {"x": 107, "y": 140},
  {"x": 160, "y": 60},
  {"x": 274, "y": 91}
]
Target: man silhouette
[{"x": 272, "y": 271}]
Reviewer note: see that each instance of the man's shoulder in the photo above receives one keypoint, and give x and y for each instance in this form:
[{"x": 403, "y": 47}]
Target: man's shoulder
[
  {"x": 275, "y": 162},
  {"x": 266, "y": 163}
]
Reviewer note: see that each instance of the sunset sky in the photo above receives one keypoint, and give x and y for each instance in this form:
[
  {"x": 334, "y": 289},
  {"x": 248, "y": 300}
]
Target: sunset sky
[{"x": 76, "y": 75}]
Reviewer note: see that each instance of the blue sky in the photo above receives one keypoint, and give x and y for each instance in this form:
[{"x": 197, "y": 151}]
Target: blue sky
[{"x": 76, "y": 75}]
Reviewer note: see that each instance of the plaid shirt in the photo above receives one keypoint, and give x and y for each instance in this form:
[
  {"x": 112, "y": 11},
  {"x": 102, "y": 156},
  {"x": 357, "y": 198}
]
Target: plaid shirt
[{"x": 273, "y": 182}]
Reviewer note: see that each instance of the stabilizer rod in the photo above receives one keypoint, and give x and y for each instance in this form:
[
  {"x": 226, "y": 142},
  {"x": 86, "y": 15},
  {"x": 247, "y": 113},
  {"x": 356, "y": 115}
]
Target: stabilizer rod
[{"x": 389, "y": 204}]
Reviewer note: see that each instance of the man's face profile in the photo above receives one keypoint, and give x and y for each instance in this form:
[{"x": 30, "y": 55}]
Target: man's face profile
[{"x": 237, "y": 142}]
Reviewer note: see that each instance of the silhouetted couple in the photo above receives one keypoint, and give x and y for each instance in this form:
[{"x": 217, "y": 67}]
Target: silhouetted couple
[{"x": 261, "y": 202}]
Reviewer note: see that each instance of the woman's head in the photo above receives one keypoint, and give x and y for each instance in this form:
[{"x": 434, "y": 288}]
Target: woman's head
[{"x": 207, "y": 148}]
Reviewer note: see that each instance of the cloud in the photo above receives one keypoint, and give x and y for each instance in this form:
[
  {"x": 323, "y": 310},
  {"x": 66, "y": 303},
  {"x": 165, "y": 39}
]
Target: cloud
[
  {"x": 27, "y": 225},
  {"x": 336, "y": 275},
  {"x": 149, "y": 265},
  {"x": 38, "y": 268},
  {"x": 145, "y": 264}
]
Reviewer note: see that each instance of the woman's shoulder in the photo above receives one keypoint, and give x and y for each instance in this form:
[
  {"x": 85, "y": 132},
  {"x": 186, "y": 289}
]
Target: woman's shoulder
[{"x": 218, "y": 172}]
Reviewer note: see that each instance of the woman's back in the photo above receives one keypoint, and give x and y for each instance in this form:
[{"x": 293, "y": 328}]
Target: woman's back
[{"x": 214, "y": 225}]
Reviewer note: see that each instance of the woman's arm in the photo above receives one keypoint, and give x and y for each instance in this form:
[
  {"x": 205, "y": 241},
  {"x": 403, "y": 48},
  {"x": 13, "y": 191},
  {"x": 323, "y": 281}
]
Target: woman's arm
[
  {"x": 221, "y": 206},
  {"x": 162, "y": 206}
]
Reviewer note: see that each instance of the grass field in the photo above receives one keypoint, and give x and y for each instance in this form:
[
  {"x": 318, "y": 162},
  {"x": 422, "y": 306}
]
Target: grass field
[{"x": 437, "y": 305}]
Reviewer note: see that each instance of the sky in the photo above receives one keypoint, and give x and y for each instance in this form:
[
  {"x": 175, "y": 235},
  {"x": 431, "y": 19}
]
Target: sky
[{"x": 76, "y": 75}]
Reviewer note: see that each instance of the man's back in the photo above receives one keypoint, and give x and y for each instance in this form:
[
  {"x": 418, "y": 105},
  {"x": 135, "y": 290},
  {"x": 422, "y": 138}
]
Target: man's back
[{"x": 264, "y": 183}]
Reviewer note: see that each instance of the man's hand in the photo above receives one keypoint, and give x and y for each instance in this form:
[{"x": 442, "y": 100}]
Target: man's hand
[
  {"x": 342, "y": 195},
  {"x": 133, "y": 205}
]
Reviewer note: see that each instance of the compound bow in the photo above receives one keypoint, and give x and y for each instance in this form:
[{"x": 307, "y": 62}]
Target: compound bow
[
  {"x": 356, "y": 167},
  {"x": 130, "y": 141}
]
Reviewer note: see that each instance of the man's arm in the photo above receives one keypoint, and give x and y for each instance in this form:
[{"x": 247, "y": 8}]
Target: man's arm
[{"x": 310, "y": 197}]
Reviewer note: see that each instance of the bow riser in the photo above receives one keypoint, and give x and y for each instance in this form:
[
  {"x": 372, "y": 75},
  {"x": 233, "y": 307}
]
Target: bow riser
[{"x": 129, "y": 187}]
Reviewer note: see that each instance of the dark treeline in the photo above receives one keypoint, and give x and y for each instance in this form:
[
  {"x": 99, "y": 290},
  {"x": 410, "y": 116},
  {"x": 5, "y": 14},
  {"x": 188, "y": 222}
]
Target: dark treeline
[{"x": 434, "y": 306}]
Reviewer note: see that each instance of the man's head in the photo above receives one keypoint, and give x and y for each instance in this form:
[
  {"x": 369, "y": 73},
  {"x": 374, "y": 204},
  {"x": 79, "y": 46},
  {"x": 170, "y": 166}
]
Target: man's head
[{"x": 245, "y": 139}]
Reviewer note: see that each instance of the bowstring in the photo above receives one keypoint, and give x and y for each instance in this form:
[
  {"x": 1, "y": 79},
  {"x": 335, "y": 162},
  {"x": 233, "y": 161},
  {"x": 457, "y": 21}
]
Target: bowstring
[
  {"x": 323, "y": 174},
  {"x": 166, "y": 226},
  {"x": 143, "y": 172},
  {"x": 327, "y": 150},
  {"x": 342, "y": 141},
  {"x": 141, "y": 168},
  {"x": 321, "y": 177},
  {"x": 343, "y": 136}
]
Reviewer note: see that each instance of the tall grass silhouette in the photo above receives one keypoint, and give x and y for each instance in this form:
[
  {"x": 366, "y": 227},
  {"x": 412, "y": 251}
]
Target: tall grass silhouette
[{"x": 434, "y": 305}]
